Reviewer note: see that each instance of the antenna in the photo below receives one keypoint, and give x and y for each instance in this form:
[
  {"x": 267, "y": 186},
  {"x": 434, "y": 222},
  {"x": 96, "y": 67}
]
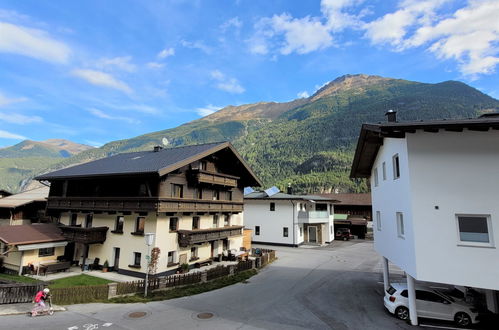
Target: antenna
[
  {"x": 248, "y": 190},
  {"x": 272, "y": 191}
]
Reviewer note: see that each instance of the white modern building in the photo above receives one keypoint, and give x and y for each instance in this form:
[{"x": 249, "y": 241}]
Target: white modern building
[
  {"x": 435, "y": 200},
  {"x": 286, "y": 219}
]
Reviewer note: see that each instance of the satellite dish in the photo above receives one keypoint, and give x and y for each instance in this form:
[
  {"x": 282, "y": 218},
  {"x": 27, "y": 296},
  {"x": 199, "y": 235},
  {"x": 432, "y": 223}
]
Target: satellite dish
[
  {"x": 272, "y": 191},
  {"x": 248, "y": 190},
  {"x": 165, "y": 141}
]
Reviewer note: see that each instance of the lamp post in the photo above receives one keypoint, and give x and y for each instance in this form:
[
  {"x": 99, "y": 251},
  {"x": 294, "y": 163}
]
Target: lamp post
[{"x": 149, "y": 237}]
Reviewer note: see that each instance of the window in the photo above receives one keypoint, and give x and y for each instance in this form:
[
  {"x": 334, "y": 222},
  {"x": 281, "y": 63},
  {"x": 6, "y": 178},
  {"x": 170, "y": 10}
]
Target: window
[
  {"x": 177, "y": 190},
  {"x": 257, "y": 230},
  {"x": 118, "y": 225},
  {"x": 301, "y": 230},
  {"x": 375, "y": 174},
  {"x": 429, "y": 296},
  {"x": 139, "y": 225},
  {"x": 198, "y": 193},
  {"x": 215, "y": 221},
  {"x": 228, "y": 195},
  {"x": 400, "y": 225},
  {"x": 475, "y": 230},
  {"x": 332, "y": 229},
  {"x": 378, "y": 220},
  {"x": 202, "y": 165},
  {"x": 173, "y": 224},
  {"x": 73, "y": 220},
  {"x": 136, "y": 259},
  {"x": 171, "y": 258},
  {"x": 384, "y": 171},
  {"x": 195, "y": 222},
  {"x": 46, "y": 252},
  {"x": 272, "y": 206},
  {"x": 88, "y": 220},
  {"x": 396, "y": 167},
  {"x": 226, "y": 220},
  {"x": 194, "y": 253},
  {"x": 331, "y": 209},
  {"x": 285, "y": 232},
  {"x": 216, "y": 195}
]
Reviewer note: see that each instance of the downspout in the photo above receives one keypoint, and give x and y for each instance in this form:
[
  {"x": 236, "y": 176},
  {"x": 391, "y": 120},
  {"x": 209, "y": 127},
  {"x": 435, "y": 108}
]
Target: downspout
[{"x": 294, "y": 229}]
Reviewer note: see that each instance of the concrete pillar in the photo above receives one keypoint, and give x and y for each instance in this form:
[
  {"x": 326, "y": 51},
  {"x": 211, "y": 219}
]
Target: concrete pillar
[
  {"x": 112, "y": 290},
  {"x": 492, "y": 304},
  {"x": 231, "y": 270},
  {"x": 411, "y": 290},
  {"x": 386, "y": 274},
  {"x": 162, "y": 282},
  {"x": 204, "y": 277},
  {"x": 253, "y": 266}
]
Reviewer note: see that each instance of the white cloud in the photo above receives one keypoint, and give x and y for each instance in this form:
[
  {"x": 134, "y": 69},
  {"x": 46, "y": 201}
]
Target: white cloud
[
  {"x": 207, "y": 110},
  {"x": 227, "y": 84},
  {"x": 196, "y": 45},
  {"x": 122, "y": 63},
  {"x": 234, "y": 22},
  {"x": 14, "y": 118},
  {"x": 166, "y": 52},
  {"x": 101, "y": 114},
  {"x": 8, "y": 135},
  {"x": 303, "y": 95},
  {"x": 4, "y": 100},
  {"x": 32, "y": 43},
  {"x": 101, "y": 79},
  {"x": 155, "y": 65}
]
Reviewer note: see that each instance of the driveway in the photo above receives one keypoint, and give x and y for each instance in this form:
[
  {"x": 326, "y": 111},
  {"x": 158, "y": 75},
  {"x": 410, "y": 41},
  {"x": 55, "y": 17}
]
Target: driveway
[{"x": 336, "y": 287}]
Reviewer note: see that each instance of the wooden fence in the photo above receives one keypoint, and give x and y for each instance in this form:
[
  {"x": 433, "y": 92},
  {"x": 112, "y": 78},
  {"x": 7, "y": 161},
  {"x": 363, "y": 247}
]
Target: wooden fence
[
  {"x": 19, "y": 293},
  {"x": 217, "y": 272},
  {"x": 182, "y": 279},
  {"x": 243, "y": 265},
  {"x": 137, "y": 286},
  {"x": 79, "y": 294}
]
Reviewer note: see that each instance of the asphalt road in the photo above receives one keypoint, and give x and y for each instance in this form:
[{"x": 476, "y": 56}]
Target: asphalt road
[{"x": 337, "y": 287}]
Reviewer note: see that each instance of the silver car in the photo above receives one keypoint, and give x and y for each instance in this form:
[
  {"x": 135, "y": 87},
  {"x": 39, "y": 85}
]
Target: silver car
[{"x": 430, "y": 303}]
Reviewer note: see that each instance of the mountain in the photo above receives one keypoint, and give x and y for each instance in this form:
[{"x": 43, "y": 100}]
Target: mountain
[
  {"x": 22, "y": 161},
  {"x": 309, "y": 142},
  {"x": 52, "y": 148}
]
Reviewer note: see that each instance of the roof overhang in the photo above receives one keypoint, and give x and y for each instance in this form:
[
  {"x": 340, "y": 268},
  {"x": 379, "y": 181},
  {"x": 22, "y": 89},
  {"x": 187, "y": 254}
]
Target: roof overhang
[{"x": 26, "y": 247}]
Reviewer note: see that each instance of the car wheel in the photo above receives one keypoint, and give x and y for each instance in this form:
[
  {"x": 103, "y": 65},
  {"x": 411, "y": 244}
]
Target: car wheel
[
  {"x": 344, "y": 238},
  {"x": 462, "y": 319},
  {"x": 402, "y": 313}
]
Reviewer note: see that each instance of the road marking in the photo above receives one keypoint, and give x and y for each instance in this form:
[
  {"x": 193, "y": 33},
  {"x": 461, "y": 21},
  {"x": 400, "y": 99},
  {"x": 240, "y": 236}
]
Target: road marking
[
  {"x": 73, "y": 328},
  {"x": 107, "y": 324},
  {"x": 90, "y": 326},
  {"x": 441, "y": 327}
]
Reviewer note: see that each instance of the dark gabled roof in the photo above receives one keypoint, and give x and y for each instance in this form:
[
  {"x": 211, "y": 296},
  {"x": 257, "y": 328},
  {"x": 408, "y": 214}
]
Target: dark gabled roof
[
  {"x": 350, "y": 199},
  {"x": 30, "y": 234},
  {"x": 147, "y": 163},
  {"x": 372, "y": 135},
  {"x": 282, "y": 196}
]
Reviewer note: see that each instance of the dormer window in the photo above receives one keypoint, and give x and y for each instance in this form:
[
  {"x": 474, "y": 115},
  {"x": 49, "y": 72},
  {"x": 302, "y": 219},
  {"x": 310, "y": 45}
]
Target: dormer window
[{"x": 177, "y": 190}]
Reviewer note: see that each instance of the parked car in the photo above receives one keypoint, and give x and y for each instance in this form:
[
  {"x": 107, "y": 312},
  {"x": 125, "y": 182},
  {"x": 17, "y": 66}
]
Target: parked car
[
  {"x": 343, "y": 233},
  {"x": 430, "y": 303}
]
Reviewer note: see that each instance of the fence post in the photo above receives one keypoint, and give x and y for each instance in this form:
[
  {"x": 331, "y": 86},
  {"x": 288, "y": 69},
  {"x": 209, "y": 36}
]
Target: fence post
[
  {"x": 253, "y": 266},
  {"x": 231, "y": 270},
  {"x": 162, "y": 282},
  {"x": 258, "y": 262},
  {"x": 204, "y": 277},
  {"x": 112, "y": 290}
]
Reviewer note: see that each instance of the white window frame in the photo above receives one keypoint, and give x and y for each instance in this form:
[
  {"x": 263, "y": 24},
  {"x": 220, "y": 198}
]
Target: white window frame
[
  {"x": 400, "y": 225},
  {"x": 376, "y": 180},
  {"x": 490, "y": 243},
  {"x": 378, "y": 220}
]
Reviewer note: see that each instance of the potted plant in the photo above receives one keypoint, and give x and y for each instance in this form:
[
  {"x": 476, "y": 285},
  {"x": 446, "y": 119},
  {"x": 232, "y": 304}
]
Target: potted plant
[
  {"x": 105, "y": 267},
  {"x": 184, "y": 268}
]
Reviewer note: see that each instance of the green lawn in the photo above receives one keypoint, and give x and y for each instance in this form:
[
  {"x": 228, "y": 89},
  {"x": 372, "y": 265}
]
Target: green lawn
[
  {"x": 17, "y": 278},
  {"x": 78, "y": 280}
]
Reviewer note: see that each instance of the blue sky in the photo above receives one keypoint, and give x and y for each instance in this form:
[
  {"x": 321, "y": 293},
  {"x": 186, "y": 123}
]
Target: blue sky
[{"x": 98, "y": 71}]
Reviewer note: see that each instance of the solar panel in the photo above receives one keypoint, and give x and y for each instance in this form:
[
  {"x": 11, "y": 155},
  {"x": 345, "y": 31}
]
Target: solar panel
[
  {"x": 272, "y": 191},
  {"x": 248, "y": 190}
]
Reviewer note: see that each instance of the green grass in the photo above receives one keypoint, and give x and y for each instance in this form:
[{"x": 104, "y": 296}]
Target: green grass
[
  {"x": 188, "y": 290},
  {"x": 79, "y": 280},
  {"x": 17, "y": 278}
]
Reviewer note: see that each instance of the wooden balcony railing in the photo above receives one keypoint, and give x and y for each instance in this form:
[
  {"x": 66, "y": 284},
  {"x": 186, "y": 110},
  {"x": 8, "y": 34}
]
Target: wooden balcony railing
[
  {"x": 180, "y": 205},
  {"x": 189, "y": 237},
  {"x": 84, "y": 235},
  {"x": 201, "y": 176}
]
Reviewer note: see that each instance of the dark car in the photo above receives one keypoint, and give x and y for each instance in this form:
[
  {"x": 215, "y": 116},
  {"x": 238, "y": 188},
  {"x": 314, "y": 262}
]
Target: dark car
[{"x": 343, "y": 233}]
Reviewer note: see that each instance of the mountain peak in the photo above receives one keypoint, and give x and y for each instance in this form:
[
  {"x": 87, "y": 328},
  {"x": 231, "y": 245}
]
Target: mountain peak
[{"x": 348, "y": 82}]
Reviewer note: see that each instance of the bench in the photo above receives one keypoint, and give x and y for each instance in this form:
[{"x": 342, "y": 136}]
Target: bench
[
  {"x": 203, "y": 263},
  {"x": 55, "y": 267}
]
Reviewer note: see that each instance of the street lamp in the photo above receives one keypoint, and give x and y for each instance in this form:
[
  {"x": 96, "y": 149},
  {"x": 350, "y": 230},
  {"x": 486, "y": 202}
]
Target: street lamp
[{"x": 149, "y": 237}]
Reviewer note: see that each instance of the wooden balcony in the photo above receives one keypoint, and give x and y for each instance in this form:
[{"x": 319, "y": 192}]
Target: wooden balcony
[
  {"x": 84, "y": 235},
  {"x": 193, "y": 205},
  {"x": 201, "y": 176},
  {"x": 103, "y": 203},
  {"x": 189, "y": 237}
]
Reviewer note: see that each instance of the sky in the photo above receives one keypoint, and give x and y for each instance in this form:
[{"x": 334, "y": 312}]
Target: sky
[{"x": 97, "y": 71}]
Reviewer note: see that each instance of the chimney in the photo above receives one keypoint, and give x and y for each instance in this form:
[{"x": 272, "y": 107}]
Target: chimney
[
  {"x": 157, "y": 148},
  {"x": 391, "y": 115},
  {"x": 290, "y": 189}
]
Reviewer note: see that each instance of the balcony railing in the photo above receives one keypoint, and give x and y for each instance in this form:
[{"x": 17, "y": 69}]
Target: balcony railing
[
  {"x": 313, "y": 216},
  {"x": 84, "y": 235},
  {"x": 189, "y": 237},
  {"x": 180, "y": 205},
  {"x": 201, "y": 176}
]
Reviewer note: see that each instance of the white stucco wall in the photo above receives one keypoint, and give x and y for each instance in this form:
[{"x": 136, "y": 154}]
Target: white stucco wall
[
  {"x": 459, "y": 173},
  {"x": 389, "y": 197}
]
